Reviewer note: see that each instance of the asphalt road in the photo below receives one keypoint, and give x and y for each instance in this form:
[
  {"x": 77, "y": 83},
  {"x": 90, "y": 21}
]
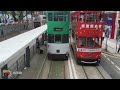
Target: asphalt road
[{"x": 111, "y": 65}]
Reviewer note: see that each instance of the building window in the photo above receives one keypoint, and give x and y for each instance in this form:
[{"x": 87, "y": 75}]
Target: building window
[
  {"x": 49, "y": 16},
  {"x": 50, "y": 38}
]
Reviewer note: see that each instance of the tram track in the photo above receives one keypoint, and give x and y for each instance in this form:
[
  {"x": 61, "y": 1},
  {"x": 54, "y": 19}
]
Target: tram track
[{"x": 52, "y": 69}]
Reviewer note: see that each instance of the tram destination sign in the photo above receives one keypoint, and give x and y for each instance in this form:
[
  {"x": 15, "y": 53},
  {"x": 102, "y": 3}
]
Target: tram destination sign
[{"x": 58, "y": 29}]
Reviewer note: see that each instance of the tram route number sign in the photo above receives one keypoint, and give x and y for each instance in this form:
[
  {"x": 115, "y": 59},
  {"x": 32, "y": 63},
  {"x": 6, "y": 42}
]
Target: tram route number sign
[
  {"x": 58, "y": 29},
  {"x": 91, "y": 32}
]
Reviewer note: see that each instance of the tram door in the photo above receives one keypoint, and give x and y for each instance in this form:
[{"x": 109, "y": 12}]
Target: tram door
[{"x": 27, "y": 57}]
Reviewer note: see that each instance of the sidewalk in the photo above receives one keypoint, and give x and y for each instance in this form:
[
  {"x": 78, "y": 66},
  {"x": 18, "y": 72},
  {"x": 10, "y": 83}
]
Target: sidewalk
[
  {"x": 35, "y": 65},
  {"x": 112, "y": 46}
]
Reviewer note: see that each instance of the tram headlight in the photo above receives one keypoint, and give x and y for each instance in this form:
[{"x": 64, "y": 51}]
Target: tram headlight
[
  {"x": 58, "y": 51},
  {"x": 89, "y": 55}
]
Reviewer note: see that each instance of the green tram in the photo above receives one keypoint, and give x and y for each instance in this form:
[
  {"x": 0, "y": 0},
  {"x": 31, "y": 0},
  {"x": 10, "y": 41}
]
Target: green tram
[{"x": 58, "y": 34}]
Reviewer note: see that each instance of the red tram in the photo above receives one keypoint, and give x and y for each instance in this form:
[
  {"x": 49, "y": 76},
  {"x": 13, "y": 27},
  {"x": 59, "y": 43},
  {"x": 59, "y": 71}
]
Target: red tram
[{"x": 86, "y": 35}]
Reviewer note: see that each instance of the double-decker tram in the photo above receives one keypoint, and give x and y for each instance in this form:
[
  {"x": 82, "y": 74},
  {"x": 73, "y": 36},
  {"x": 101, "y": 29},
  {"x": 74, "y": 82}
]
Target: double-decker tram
[
  {"x": 58, "y": 34},
  {"x": 86, "y": 35}
]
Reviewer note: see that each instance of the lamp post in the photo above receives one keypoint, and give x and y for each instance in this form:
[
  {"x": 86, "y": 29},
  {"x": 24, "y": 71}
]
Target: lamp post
[{"x": 106, "y": 44}]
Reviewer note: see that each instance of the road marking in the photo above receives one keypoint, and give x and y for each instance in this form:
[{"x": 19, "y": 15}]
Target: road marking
[
  {"x": 70, "y": 70},
  {"x": 110, "y": 55},
  {"x": 104, "y": 55},
  {"x": 117, "y": 67},
  {"x": 108, "y": 59},
  {"x": 73, "y": 67},
  {"x": 112, "y": 63}
]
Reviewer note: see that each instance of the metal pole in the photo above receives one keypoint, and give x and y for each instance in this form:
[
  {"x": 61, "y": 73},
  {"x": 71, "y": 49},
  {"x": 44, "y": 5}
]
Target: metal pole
[
  {"x": 116, "y": 47},
  {"x": 106, "y": 44}
]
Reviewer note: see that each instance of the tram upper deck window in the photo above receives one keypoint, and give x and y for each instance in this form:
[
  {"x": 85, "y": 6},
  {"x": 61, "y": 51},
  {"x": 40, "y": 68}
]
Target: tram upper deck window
[
  {"x": 57, "y": 38},
  {"x": 49, "y": 16},
  {"x": 58, "y": 16},
  {"x": 90, "y": 42},
  {"x": 100, "y": 19},
  {"x": 65, "y": 38},
  {"x": 66, "y": 17},
  {"x": 82, "y": 17},
  {"x": 82, "y": 41},
  {"x": 50, "y": 38},
  {"x": 91, "y": 17},
  {"x": 98, "y": 41}
]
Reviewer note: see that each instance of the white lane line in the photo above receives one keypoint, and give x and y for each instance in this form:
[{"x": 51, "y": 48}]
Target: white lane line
[
  {"x": 108, "y": 59},
  {"x": 73, "y": 67},
  {"x": 112, "y": 63},
  {"x": 117, "y": 67},
  {"x": 70, "y": 69},
  {"x": 104, "y": 55}
]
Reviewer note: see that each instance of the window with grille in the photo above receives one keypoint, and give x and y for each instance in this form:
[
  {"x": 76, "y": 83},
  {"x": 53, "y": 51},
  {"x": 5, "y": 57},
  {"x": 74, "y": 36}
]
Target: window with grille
[
  {"x": 91, "y": 17},
  {"x": 57, "y": 38},
  {"x": 98, "y": 41},
  {"x": 82, "y": 41},
  {"x": 50, "y": 38},
  {"x": 82, "y": 17},
  {"x": 58, "y": 16},
  {"x": 49, "y": 16},
  {"x": 90, "y": 42},
  {"x": 65, "y": 38},
  {"x": 66, "y": 17}
]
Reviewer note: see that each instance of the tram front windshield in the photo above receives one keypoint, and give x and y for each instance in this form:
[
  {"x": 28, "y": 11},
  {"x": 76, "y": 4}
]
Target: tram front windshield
[{"x": 89, "y": 42}]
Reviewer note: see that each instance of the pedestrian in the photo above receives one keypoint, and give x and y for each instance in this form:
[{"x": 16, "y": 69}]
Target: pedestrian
[
  {"x": 103, "y": 36},
  {"x": 119, "y": 44},
  {"x": 38, "y": 45}
]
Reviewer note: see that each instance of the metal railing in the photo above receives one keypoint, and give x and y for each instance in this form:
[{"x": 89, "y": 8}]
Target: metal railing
[{"x": 4, "y": 30}]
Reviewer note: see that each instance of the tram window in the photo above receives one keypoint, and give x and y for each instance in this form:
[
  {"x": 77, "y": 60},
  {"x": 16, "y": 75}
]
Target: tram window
[
  {"x": 58, "y": 16},
  {"x": 49, "y": 16},
  {"x": 101, "y": 18},
  {"x": 44, "y": 17},
  {"x": 91, "y": 17},
  {"x": 98, "y": 41},
  {"x": 50, "y": 38},
  {"x": 90, "y": 42},
  {"x": 66, "y": 17},
  {"x": 65, "y": 38},
  {"x": 58, "y": 38},
  {"x": 82, "y": 41},
  {"x": 82, "y": 17}
]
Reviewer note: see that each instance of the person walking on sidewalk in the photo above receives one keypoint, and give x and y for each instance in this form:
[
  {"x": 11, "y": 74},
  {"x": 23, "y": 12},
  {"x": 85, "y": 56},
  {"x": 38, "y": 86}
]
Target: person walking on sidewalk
[{"x": 119, "y": 43}]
